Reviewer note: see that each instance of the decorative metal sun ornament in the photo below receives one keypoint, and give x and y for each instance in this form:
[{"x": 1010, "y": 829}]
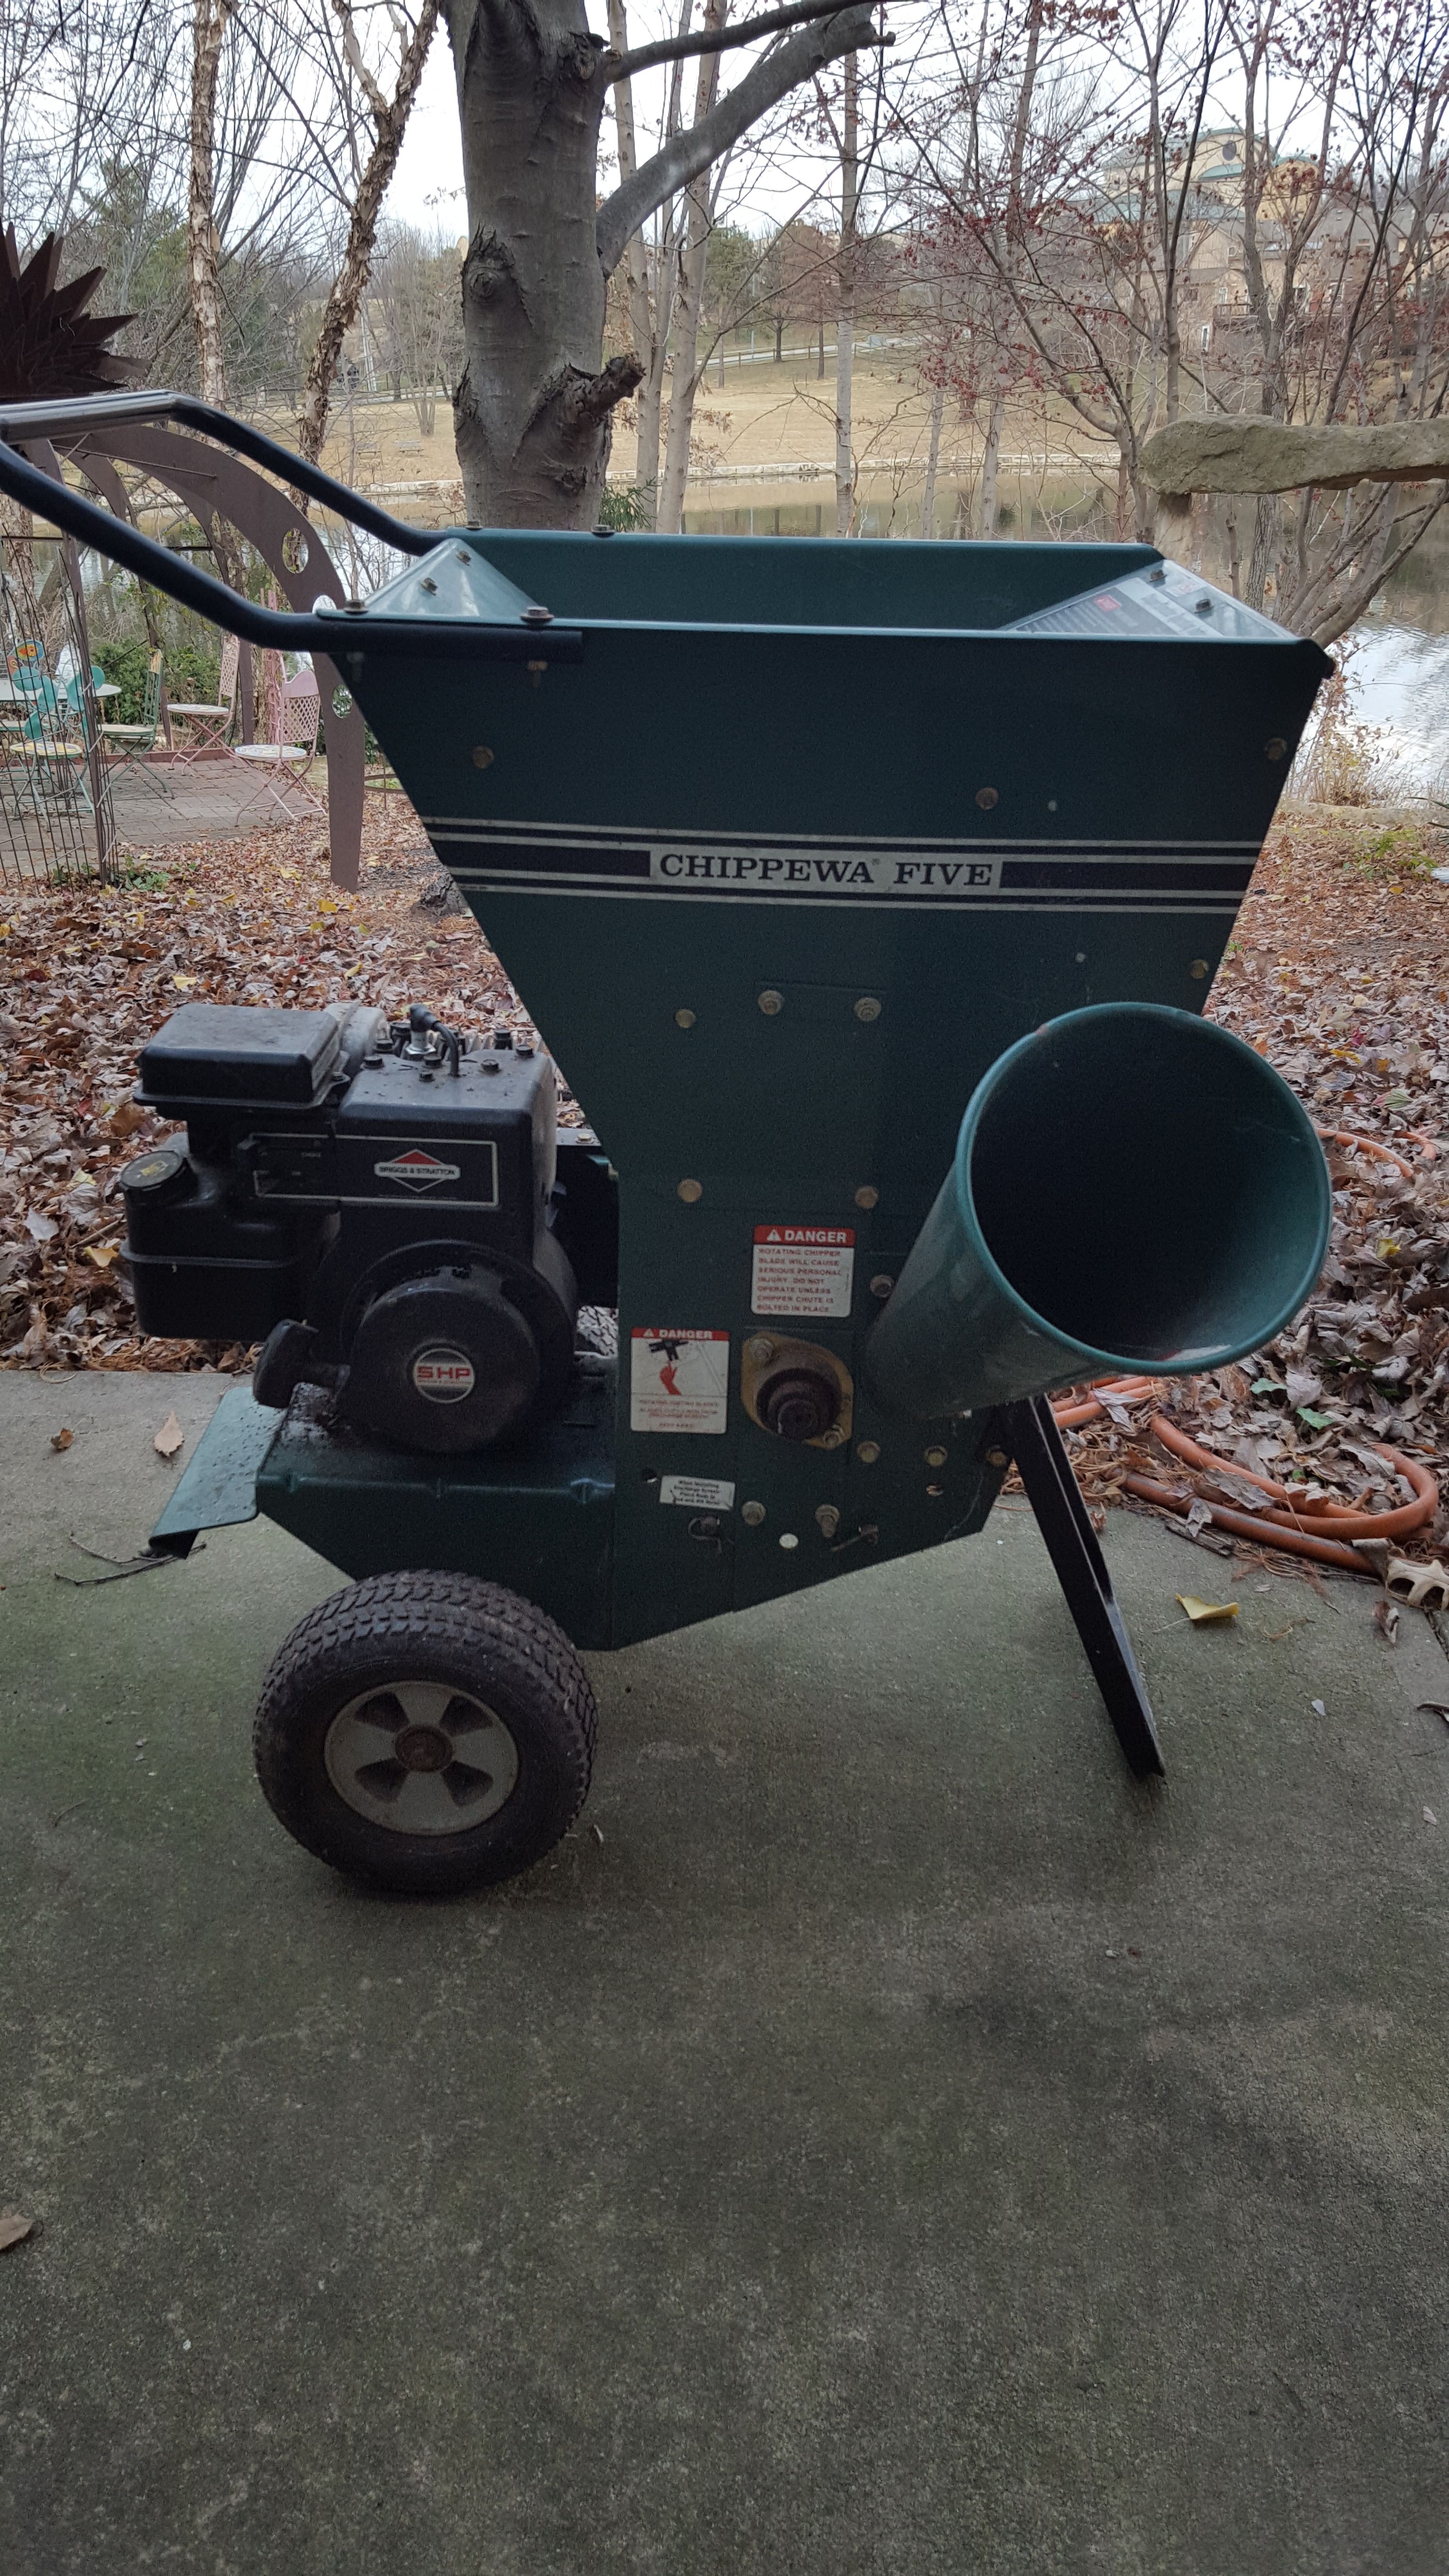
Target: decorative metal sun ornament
[{"x": 50, "y": 346}]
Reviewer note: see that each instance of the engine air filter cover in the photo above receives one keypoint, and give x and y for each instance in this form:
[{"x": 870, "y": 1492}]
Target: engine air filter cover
[{"x": 444, "y": 1362}]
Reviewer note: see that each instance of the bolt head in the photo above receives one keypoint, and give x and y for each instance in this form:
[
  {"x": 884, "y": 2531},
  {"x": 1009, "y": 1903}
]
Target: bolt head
[
  {"x": 1198, "y": 970},
  {"x": 771, "y": 1002},
  {"x": 684, "y": 1019},
  {"x": 935, "y": 1492},
  {"x": 827, "y": 1520},
  {"x": 1275, "y": 748},
  {"x": 868, "y": 1007},
  {"x": 881, "y": 1285},
  {"x": 759, "y": 1348},
  {"x": 868, "y": 1197},
  {"x": 867, "y": 1451},
  {"x": 482, "y": 756},
  {"x": 986, "y": 797},
  {"x": 935, "y": 1457},
  {"x": 997, "y": 1458},
  {"x": 752, "y": 1514},
  {"x": 691, "y": 1192},
  {"x": 834, "y": 1438}
]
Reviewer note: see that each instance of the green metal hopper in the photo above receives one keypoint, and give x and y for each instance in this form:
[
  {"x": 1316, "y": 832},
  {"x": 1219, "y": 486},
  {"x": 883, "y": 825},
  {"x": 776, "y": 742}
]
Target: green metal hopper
[{"x": 785, "y": 845}]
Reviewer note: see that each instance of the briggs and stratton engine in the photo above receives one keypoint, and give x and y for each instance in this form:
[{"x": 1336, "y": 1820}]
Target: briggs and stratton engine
[{"x": 381, "y": 1205}]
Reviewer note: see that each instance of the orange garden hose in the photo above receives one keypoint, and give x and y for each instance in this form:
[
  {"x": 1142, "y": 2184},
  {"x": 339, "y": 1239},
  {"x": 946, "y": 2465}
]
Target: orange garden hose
[{"x": 1302, "y": 1530}]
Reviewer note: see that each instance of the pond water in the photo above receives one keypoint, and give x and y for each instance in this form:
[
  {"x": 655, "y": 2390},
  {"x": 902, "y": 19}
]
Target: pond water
[{"x": 1397, "y": 657}]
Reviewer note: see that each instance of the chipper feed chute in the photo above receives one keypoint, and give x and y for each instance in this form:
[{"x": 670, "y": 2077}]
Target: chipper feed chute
[{"x": 827, "y": 870}]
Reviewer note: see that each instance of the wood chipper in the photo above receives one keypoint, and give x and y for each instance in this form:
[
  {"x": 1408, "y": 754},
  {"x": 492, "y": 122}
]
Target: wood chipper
[{"x": 869, "y": 895}]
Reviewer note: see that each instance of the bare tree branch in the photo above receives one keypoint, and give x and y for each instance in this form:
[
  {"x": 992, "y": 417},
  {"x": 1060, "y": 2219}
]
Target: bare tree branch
[
  {"x": 350, "y": 283},
  {"x": 713, "y": 40},
  {"x": 767, "y": 81}
]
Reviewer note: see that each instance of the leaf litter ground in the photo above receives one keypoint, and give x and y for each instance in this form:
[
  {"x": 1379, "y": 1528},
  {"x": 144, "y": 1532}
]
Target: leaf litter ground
[{"x": 1339, "y": 974}]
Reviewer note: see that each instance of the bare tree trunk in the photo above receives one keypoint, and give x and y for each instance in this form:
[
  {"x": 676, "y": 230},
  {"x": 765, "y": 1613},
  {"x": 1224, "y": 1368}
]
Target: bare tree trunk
[
  {"x": 636, "y": 272},
  {"x": 820, "y": 355},
  {"x": 535, "y": 406},
  {"x": 845, "y": 298},
  {"x": 390, "y": 119},
  {"x": 684, "y": 381},
  {"x": 990, "y": 461},
  {"x": 209, "y": 29},
  {"x": 933, "y": 459}
]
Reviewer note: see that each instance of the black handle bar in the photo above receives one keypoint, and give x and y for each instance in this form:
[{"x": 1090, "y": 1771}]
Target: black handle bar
[{"x": 334, "y": 631}]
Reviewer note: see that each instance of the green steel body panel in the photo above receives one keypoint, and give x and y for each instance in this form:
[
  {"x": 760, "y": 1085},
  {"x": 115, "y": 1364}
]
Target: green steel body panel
[
  {"x": 538, "y": 1519},
  {"x": 217, "y": 1488},
  {"x": 921, "y": 798}
]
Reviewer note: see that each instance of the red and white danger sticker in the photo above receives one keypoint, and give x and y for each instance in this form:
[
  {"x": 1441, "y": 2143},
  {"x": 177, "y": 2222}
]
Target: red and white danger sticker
[
  {"x": 679, "y": 1379},
  {"x": 443, "y": 1374},
  {"x": 803, "y": 1269}
]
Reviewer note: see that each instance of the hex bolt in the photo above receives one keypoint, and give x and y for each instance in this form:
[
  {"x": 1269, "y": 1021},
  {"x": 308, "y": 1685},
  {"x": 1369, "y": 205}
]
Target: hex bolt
[
  {"x": 759, "y": 1348},
  {"x": 1275, "y": 748},
  {"x": 427, "y": 582},
  {"x": 868, "y": 1197},
  {"x": 867, "y": 1008},
  {"x": 771, "y": 1002},
  {"x": 986, "y": 797},
  {"x": 684, "y": 1019},
  {"x": 482, "y": 756},
  {"x": 691, "y": 1191},
  {"x": 1198, "y": 969},
  {"x": 827, "y": 1520},
  {"x": 788, "y": 1539},
  {"x": 997, "y": 1458},
  {"x": 536, "y": 616},
  {"x": 834, "y": 1438},
  {"x": 867, "y": 1451},
  {"x": 752, "y": 1514},
  {"x": 882, "y": 1284},
  {"x": 935, "y": 1457}
]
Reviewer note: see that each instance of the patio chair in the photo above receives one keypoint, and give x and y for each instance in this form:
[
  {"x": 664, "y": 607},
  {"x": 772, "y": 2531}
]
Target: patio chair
[
  {"x": 212, "y": 723},
  {"x": 46, "y": 749},
  {"x": 294, "y": 716},
  {"x": 127, "y": 746}
]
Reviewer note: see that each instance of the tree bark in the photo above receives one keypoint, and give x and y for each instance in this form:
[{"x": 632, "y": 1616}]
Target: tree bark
[
  {"x": 636, "y": 269},
  {"x": 390, "y": 120},
  {"x": 933, "y": 459},
  {"x": 209, "y": 28},
  {"x": 845, "y": 298},
  {"x": 990, "y": 461},
  {"x": 535, "y": 406},
  {"x": 684, "y": 379}
]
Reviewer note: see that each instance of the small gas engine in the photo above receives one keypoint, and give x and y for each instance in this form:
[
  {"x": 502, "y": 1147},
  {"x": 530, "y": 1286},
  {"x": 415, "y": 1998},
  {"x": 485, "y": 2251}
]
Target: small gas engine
[{"x": 385, "y": 1207}]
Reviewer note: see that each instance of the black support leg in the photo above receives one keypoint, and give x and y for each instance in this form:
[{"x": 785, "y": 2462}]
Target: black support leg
[{"x": 1030, "y": 1433}]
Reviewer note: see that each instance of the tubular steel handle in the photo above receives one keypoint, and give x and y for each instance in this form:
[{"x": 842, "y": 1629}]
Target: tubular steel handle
[{"x": 327, "y": 630}]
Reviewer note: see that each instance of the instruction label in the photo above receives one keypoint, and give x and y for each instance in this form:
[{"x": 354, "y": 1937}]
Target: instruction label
[
  {"x": 803, "y": 1270},
  {"x": 698, "y": 1493},
  {"x": 679, "y": 1379}
]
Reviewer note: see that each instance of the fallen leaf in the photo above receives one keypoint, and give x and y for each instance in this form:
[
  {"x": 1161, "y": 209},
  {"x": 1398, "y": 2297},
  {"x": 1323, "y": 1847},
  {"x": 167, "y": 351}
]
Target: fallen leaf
[
  {"x": 41, "y": 1227},
  {"x": 125, "y": 1120},
  {"x": 13, "y": 2229},
  {"x": 183, "y": 983},
  {"x": 102, "y": 1254},
  {"x": 61, "y": 1439},
  {"x": 1207, "y": 1614},
  {"x": 169, "y": 1438},
  {"x": 1429, "y": 1816},
  {"x": 1318, "y": 1708},
  {"x": 1386, "y": 1620}
]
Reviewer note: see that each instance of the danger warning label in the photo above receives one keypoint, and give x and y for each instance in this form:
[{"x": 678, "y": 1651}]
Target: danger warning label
[
  {"x": 803, "y": 1269},
  {"x": 679, "y": 1379}
]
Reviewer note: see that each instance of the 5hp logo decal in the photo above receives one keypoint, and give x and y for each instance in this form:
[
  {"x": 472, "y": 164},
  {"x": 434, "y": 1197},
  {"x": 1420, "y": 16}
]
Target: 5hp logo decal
[
  {"x": 418, "y": 1170},
  {"x": 443, "y": 1373}
]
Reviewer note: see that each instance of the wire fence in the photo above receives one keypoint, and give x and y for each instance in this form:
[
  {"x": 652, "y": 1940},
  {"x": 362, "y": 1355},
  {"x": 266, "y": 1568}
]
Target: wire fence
[{"x": 57, "y": 825}]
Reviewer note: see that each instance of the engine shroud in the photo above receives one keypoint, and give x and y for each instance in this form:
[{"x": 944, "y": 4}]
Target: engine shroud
[{"x": 383, "y": 1208}]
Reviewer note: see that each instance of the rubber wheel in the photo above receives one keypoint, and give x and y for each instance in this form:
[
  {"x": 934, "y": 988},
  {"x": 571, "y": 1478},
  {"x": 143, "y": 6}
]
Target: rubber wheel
[{"x": 427, "y": 1733}]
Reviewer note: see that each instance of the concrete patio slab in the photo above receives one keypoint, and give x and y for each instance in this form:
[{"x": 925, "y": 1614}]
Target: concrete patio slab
[{"x": 882, "y": 2141}]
